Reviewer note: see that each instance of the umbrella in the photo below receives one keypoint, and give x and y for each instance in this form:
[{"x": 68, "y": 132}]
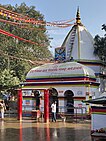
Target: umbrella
[{"x": 99, "y": 100}]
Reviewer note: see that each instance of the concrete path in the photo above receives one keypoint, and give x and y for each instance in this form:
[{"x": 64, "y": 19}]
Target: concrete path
[{"x": 30, "y": 130}]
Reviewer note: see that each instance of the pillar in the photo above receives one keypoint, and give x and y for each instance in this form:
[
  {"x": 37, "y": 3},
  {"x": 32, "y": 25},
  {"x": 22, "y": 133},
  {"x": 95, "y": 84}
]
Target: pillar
[
  {"x": 46, "y": 106},
  {"x": 20, "y": 104}
]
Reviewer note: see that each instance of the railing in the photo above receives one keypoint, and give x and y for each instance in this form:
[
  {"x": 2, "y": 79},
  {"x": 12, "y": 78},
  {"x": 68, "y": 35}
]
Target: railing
[{"x": 74, "y": 113}]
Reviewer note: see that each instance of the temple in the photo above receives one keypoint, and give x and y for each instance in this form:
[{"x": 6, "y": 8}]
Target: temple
[{"x": 75, "y": 75}]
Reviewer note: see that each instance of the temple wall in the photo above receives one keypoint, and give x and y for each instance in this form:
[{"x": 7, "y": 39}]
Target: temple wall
[{"x": 80, "y": 92}]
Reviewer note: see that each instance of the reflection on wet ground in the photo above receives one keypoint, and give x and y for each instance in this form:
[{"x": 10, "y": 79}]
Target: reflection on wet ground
[{"x": 30, "y": 130}]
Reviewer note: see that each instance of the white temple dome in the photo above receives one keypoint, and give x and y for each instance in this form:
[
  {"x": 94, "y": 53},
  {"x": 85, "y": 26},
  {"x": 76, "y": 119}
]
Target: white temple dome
[{"x": 60, "y": 70}]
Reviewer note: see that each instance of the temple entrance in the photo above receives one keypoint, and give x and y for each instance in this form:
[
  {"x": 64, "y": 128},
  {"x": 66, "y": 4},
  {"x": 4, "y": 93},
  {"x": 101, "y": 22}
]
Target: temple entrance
[
  {"x": 53, "y": 96},
  {"x": 69, "y": 101}
]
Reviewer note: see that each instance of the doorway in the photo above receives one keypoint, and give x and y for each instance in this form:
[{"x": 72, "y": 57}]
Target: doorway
[
  {"x": 53, "y": 96},
  {"x": 69, "y": 101}
]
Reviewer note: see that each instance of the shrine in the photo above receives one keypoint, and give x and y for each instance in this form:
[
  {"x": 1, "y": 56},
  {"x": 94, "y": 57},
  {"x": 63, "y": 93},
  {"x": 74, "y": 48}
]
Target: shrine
[{"x": 73, "y": 77}]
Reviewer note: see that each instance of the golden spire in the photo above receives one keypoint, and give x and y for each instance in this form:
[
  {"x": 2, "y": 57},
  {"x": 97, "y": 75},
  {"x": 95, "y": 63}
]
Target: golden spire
[{"x": 78, "y": 19}]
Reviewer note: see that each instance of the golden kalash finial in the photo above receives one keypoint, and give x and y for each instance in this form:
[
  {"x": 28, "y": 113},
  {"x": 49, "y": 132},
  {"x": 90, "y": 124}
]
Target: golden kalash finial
[{"x": 78, "y": 19}]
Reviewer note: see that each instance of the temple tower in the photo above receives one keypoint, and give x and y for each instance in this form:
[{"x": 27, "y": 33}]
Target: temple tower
[
  {"x": 78, "y": 46},
  {"x": 79, "y": 43}
]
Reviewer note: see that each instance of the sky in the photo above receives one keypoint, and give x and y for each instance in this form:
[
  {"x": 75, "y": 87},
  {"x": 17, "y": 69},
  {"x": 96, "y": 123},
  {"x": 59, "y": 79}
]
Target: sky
[{"x": 93, "y": 15}]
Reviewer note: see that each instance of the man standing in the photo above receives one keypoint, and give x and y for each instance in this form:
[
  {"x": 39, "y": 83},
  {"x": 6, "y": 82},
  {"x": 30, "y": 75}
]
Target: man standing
[
  {"x": 53, "y": 106},
  {"x": 2, "y": 109}
]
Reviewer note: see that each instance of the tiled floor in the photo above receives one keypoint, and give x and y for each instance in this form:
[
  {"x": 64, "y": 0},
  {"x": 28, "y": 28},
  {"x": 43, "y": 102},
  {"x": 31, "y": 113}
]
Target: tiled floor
[{"x": 30, "y": 130}]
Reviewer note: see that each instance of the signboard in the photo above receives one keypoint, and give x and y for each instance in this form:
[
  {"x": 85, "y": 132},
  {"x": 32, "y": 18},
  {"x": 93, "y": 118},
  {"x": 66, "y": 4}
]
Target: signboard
[{"x": 60, "y": 54}]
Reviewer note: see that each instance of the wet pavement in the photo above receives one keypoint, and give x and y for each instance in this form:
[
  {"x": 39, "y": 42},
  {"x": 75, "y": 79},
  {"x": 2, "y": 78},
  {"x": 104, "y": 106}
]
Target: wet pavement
[{"x": 30, "y": 130}]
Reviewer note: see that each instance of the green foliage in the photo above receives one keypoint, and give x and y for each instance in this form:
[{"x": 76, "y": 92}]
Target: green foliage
[
  {"x": 100, "y": 46},
  {"x": 7, "y": 79},
  {"x": 14, "y": 54}
]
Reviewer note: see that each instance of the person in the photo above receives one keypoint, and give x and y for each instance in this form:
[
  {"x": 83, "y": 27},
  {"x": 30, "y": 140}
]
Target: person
[
  {"x": 53, "y": 107},
  {"x": 37, "y": 97},
  {"x": 7, "y": 107},
  {"x": 2, "y": 109}
]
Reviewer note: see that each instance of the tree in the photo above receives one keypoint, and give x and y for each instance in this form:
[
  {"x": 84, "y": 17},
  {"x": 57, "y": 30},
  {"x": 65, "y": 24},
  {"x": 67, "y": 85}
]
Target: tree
[
  {"x": 16, "y": 54},
  {"x": 8, "y": 79},
  {"x": 100, "y": 45}
]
